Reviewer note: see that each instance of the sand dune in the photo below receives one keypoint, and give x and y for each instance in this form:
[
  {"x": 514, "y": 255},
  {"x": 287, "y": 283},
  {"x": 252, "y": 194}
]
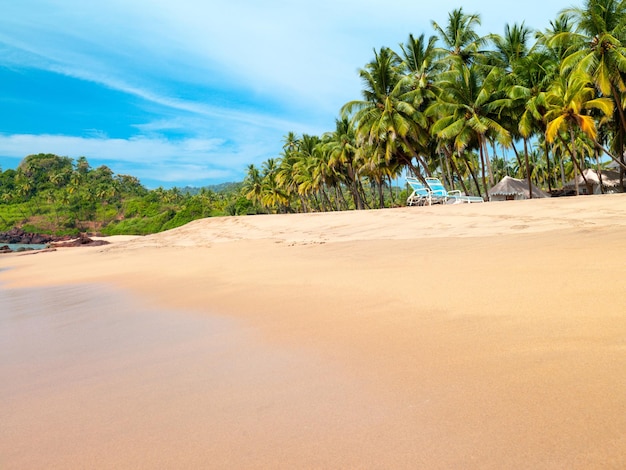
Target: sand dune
[{"x": 465, "y": 336}]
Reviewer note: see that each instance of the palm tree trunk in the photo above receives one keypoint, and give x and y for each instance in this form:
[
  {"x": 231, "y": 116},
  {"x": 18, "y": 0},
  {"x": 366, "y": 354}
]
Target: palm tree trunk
[
  {"x": 409, "y": 163},
  {"x": 474, "y": 177},
  {"x": 455, "y": 170},
  {"x": 599, "y": 171},
  {"x": 530, "y": 185},
  {"x": 339, "y": 200},
  {"x": 482, "y": 163},
  {"x": 562, "y": 169},
  {"x": 574, "y": 155},
  {"x": 519, "y": 160},
  {"x": 489, "y": 169},
  {"x": 362, "y": 195},
  {"x": 303, "y": 202},
  {"x": 449, "y": 173},
  {"x": 620, "y": 138},
  {"x": 461, "y": 182},
  {"x": 326, "y": 202},
  {"x": 393, "y": 202},
  {"x": 547, "y": 154},
  {"x": 354, "y": 187},
  {"x": 611, "y": 156}
]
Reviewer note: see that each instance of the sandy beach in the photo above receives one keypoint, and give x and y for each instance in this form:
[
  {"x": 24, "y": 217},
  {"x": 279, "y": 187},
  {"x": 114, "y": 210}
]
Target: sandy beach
[{"x": 483, "y": 336}]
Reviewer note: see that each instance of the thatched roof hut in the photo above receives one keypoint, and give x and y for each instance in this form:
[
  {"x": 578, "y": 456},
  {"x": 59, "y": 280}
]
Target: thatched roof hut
[
  {"x": 590, "y": 184},
  {"x": 511, "y": 189}
]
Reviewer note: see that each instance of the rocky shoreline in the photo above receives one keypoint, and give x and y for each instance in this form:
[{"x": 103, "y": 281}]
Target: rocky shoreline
[{"x": 20, "y": 237}]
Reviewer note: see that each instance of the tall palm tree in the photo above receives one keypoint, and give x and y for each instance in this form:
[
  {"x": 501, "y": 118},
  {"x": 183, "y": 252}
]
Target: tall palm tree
[
  {"x": 511, "y": 48},
  {"x": 599, "y": 48},
  {"x": 511, "y": 56},
  {"x": 252, "y": 184},
  {"x": 286, "y": 173},
  {"x": 570, "y": 101},
  {"x": 272, "y": 195},
  {"x": 386, "y": 120},
  {"x": 461, "y": 43},
  {"x": 528, "y": 81},
  {"x": 308, "y": 184},
  {"x": 464, "y": 112},
  {"x": 419, "y": 63},
  {"x": 342, "y": 149}
]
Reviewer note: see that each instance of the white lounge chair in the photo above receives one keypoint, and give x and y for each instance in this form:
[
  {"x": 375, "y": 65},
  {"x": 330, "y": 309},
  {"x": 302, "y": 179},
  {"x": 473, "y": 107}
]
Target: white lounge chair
[
  {"x": 440, "y": 194},
  {"x": 421, "y": 195}
]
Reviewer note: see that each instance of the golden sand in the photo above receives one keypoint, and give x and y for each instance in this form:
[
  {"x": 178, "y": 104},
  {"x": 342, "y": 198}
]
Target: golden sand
[{"x": 469, "y": 336}]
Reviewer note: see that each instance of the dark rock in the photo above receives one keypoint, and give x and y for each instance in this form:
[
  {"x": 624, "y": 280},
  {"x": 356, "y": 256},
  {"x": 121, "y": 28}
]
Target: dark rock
[
  {"x": 17, "y": 235},
  {"x": 82, "y": 240}
]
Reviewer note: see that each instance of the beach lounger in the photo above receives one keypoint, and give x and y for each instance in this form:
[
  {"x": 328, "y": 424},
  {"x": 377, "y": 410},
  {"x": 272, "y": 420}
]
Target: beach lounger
[
  {"x": 440, "y": 194},
  {"x": 421, "y": 195}
]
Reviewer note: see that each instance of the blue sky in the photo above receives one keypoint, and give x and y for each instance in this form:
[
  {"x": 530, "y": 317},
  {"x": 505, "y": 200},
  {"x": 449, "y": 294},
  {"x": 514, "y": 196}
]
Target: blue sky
[{"x": 189, "y": 92}]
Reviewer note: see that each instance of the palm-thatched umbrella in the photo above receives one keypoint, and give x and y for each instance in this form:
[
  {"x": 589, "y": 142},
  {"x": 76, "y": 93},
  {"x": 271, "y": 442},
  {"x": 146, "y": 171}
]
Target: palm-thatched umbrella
[
  {"x": 590, "y": 183},
  {"x": 510, "y": 189}
]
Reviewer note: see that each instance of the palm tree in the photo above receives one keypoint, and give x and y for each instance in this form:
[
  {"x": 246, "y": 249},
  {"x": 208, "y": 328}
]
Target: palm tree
[
  {"x": 252, "y": 185},
  {"x": 524, "y": 105},
  {"x": 419, "y": 64},
  {"x": 464, "y": 112},
  {"x": 599, "y": 48},
  {"x": 461, "y": 43},
  {"x": 511, "y": 48},
  {"x": 511, "y": 56},
  {"x": 342, "y": 150},
  {"x": 569, "y": 101},
  {"x": 286, "y": 173},
  {"x": 386, "y": 120},
  {"x": 272, "y": 195}
]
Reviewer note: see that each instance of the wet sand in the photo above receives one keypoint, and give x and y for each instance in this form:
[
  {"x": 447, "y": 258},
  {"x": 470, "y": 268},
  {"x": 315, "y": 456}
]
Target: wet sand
[
  {"x": 94, "y": 380},
  {"x": 489, "y": 336}
]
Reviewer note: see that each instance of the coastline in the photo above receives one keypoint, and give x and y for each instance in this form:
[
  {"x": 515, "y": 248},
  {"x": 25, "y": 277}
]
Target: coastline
[{"x": 483, "y": 336}]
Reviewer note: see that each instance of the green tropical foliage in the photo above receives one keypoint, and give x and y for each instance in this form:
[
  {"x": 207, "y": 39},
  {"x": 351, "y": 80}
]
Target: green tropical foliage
[{"x": 53, "y": 194}]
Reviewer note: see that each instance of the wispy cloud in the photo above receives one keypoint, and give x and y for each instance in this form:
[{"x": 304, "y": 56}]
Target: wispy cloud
[{"x": 194, "y": 160}]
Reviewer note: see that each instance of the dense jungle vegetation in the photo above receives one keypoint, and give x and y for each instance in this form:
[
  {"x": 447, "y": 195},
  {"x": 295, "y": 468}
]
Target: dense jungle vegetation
[{"x": 57, "y": 195}]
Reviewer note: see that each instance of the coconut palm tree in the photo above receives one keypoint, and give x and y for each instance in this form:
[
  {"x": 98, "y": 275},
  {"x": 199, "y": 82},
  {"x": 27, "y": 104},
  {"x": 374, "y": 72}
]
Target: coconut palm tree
[
  {"x": 511, "y": 56},
  {"x": 461, "y": 44},
  {"x": 253, "y": 184},
  {"x": 511, "y": 48},
  {"x": 386, "y": 120},
  {"x": 286, "y": 172},
  {"x": 342, "y": 151},
  {"x": 272, "y": 194},
  {"x": 598, "y": 47},
  {"x": 419, "y": 64},
  {"x": 570, "y": 101},
  {"x": 464, "y": 112}
]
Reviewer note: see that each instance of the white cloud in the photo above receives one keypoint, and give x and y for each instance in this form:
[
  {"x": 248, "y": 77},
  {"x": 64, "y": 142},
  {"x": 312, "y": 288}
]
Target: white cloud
[
  {"x": 302, "y": 52},
  {"x": 193, "y": 160}
]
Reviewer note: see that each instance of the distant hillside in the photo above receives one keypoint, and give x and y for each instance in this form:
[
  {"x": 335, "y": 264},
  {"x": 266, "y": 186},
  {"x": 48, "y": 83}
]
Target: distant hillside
[{"x": 56, "y": 195}]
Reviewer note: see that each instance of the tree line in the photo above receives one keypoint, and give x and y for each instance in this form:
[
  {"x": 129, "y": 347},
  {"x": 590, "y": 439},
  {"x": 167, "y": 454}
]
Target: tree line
[{"x": 540, "y": 105}]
